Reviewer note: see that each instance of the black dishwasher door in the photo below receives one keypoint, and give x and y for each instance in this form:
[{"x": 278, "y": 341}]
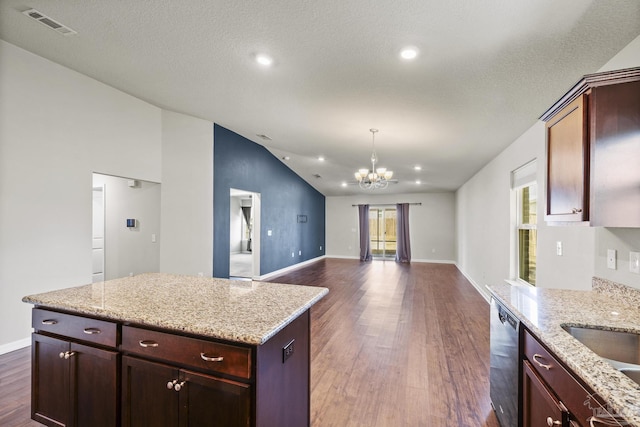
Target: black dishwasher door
[{"x": 503, "y": 375}]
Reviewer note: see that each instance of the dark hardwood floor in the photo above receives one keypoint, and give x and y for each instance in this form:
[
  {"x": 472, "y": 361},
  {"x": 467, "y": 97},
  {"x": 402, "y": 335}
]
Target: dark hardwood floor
[
  {"x": 15, "y": 389},
  {"x": 397, "y": 345},
  {"x": 392, "y": 345}
]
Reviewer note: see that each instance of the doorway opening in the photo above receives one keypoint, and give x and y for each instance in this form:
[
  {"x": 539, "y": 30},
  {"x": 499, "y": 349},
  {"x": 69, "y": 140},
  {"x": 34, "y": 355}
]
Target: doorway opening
[
  {"x": 244, "y": 234},
  {"x": 382, "y": 232},
  {"x": 126, "y": 227}
]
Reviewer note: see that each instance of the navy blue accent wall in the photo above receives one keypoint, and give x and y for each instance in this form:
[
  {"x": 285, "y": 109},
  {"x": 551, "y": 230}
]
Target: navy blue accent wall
[{"x": 245, "y": 165}]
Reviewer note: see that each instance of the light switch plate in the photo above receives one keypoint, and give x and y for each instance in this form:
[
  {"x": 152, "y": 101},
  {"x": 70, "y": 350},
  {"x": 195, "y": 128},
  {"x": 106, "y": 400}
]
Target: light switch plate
[
  {"x": 559, "y": 248},
  {"x": 634, "y": 262},
  {"x": 611, "y": 259}
]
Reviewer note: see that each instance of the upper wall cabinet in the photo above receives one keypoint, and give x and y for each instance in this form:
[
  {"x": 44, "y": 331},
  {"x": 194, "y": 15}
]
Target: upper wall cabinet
[
  {"x": 615, "y": 169},
  {"x": 593, "y": 147}
]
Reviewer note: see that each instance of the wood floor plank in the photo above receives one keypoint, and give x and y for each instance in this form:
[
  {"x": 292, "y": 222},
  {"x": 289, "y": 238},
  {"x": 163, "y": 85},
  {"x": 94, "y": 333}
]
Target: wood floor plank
[{"x": 392, "y": 345}]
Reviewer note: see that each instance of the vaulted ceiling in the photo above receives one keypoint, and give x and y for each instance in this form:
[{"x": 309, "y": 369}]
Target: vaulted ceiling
[{"x": 484, "y": 73}]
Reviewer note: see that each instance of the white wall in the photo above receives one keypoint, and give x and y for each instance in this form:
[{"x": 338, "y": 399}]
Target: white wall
[
  {"x": 482, "y": 220},
  {"x": 130, "y": 250},
  {"x": 432, "y": 225},
  {"x": 56, "y": 128},
  {"x": 187, "y": 195},
  {"x": 235, "y": 225}
]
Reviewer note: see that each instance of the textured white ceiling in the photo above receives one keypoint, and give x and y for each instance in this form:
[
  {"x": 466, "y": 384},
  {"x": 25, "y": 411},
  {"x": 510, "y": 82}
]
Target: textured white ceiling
[{"x": 486, "y": 71}]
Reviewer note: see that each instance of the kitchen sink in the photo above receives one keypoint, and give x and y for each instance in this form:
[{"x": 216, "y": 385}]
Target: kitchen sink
[{"x": 620, "y": 349}]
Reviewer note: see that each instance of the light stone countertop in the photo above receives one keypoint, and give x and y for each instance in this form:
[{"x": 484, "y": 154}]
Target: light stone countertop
[
  {"x": 241, "y": 311},
  {"x": 543, "y": 311}
]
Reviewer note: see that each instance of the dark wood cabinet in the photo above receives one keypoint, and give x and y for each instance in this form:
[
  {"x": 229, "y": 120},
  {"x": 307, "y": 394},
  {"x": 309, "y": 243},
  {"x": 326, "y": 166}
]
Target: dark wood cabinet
[
  {"x": 73, "y": 384},
  {"x": 201, "y": 382},
  {"x": 98, "y": 373},
  {"x": 159, "y": 395},
  {"x": 549, "y": 385},
  {"x": 568, "y": 163},
  {"x": 592, "y": 147},
  {"x": 615, "y": 177},
  {"x": 540, "y": 407}
]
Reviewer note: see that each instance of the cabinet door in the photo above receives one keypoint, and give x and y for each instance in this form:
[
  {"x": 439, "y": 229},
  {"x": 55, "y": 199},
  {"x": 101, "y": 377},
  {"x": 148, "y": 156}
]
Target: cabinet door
[
  {"x": 50, "y": 381},
  {"x": 213, "y": 402},
  {"x": 568, "y": 164},
  {"x": 94, "y": 386},
  {"x": 616, "y": 152},
  {"x": 146, "y": 400},
  {"x": 539, "y": 405}
]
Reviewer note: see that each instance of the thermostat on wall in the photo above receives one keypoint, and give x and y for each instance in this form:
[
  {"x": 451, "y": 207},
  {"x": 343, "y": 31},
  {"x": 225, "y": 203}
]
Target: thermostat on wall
[{"x": 131, "y": 223}]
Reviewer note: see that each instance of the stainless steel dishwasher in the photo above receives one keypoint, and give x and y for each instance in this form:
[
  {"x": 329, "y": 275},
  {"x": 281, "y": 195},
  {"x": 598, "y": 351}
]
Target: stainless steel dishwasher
[{"x": 504, "y": 373}]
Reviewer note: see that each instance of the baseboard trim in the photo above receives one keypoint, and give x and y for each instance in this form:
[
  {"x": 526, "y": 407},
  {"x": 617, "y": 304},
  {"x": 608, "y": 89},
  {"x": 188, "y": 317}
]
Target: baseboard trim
[
  {"x": 15, "y": 345},
  {"x": 343, "y": 257},
  {"x": 434, "y": 261},
  {"x": 481, "y": 289},
  {"x": 288, "y": 269}
]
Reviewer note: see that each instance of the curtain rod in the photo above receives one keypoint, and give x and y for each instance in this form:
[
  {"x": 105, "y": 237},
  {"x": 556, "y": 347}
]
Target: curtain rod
[{"x": 390, "y": 204}]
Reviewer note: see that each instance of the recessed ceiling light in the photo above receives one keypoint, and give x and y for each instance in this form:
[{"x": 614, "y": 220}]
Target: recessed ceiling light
[
  {"x": 264, "y": 60},
  {"x": 344, "y": 184},
  {"x": 418, "y": 182},
  {"x": 286, "y": 157},
  {"x": 409, "y": 53},
  {"x": 417, "y": 167},
  {"x": 321, "y": 158}
]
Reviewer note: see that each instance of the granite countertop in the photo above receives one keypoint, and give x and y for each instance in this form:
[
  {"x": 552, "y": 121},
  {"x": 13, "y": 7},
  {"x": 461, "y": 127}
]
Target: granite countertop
[
  {"x": 242, "y": 311},
  {"x": 543, "y": 311}
]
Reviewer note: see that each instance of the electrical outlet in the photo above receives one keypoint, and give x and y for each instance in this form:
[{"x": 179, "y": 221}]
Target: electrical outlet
[
  {"x": 611, "y": 259},
  {"x": 634, "y": 262},
  {"x": 293, "y": 254},
  {"x": 299, "y": 253},
  {"x": 287, "y": 350},
  {"x": 320, "y": 247}
]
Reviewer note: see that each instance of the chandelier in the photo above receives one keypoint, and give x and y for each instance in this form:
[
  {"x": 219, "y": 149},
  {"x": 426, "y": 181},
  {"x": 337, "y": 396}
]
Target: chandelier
[{"x": 375, "y": 178}]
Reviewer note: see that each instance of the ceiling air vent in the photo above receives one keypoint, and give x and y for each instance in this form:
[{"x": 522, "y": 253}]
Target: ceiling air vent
[
  {"x": 317, "y": 176},
  {"x": 49, "y": 23},
  {"x": 263, "y": 136}
]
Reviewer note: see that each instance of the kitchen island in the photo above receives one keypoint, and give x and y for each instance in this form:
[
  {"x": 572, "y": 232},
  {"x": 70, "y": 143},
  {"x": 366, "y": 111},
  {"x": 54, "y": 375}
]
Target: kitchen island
[
  {"x": 166, "y": 350},
  {"x": 607, "y": 396}
]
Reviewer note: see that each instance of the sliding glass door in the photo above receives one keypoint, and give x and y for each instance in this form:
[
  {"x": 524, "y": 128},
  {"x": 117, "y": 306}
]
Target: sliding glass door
[{"x": 382, "y": 232}]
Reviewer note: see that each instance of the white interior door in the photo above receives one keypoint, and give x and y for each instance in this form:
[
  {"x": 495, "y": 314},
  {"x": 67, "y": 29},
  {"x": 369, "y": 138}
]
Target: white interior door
[{"x": 97, "y": 247}]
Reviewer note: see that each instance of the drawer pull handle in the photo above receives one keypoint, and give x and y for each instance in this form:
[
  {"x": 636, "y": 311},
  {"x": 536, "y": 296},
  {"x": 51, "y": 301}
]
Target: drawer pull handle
[
  {"x": 211, "y": 359},
  {"x": 66, "y": 355},
  {"x": 92, "y": 331},
  {"x": 179, "y": 386},
  {"x": 170, "y": 384},
  {"x": 148, "y": 343},
  {"x": 542, "y": 365},
  {"x": 49, "y": 322},
  {"x": 551, "y": 422}
]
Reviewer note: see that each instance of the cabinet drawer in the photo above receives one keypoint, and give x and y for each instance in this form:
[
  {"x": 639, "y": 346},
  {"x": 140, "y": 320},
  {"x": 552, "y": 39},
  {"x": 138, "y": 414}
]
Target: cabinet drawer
[
  {"x": 582, "y": 403},
  {"x": 185, "y": 351},
  {"x": 80, "y": 328}
]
